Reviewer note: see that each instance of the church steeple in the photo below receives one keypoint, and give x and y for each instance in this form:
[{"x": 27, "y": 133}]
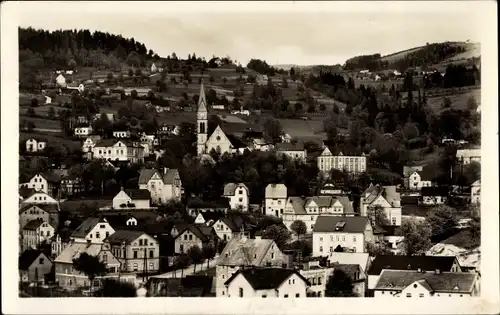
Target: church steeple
[
  {"x": 202, "y": 100},
  {"x": 202, "y": 122}
]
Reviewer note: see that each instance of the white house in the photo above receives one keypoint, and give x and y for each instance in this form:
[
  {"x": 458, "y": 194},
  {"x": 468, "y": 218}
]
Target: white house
[
  {"x": 118, "y": 150},
  {"x": 419, "y": 179},
  {"x": 414, "y": 284},
  {"x": 34, "y": 145},
  {"x": 309, "y": 209},
  {"x": 232, "y": 226},
  {"x": 83, "y": 132},
  {"x": 43, "y": 182},
  {"x": 432, "y": 196},
  {"x": 39, "y": 197},
  {"x": 238, "y": 195},
  {"x": 123, "y": 134},
  {"x": 92, "y": 230},
  {"x": 475, "y": 192},
  {"x": 266, "y": 282},
  {"x": 90, "y": 143},
  {"x": 352, "y": 164},
  {"x": 292, "y": 150},
  {"x": 261, "y": 144},
  {"x": 35, "y": 232},
  {"x": 317, "y": 275},
  {"x": 242, "y": 251},
  {"x": 163, "y": 186},
  {"x": 350, "y": 233},
  {"x": 61, "y": 81},
  {"x": 132, "y": 198},
  {"x": 276, "y": 195},
  {"x": 466, "y": 156},
  {"x": 385, "y": 197},
  {"x": 154, "y": 68}
]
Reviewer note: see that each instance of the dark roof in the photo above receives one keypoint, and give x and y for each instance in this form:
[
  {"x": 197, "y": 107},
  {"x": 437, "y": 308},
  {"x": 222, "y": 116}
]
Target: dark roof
[
  {"x": 212, "y": 215},
  {"x": 28, "y": 257},
  {"x": 427, "y": 173},
  {"x": 396, "y": 262},
  {"x": 123, "y": 236},
  {"x": 87, "y": 225},
  {"x": 51, "y": 177},
  {"x": 459, "y": 282},
  {"x": 288, "y": 146},
  {"x": 33, "y": 224},
  {"x": 201, "y": 231},
  {"x": 409, "y": 200},
  {"x": 238, "y": 222},
  {"x": 48, "y": 207},
  {"x": 329, "y": 223},
  {"x": 236, "y": 142},
  {"x": 434, "y": 191},
  {"x": 265, "y": 278},
  {"x": 26, "y": 192},
  {"x": 138, "y": 193}
]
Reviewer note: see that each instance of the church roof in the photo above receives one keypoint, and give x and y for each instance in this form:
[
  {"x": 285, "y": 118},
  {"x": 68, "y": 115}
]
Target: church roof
[{"x": 202, "y": 101}]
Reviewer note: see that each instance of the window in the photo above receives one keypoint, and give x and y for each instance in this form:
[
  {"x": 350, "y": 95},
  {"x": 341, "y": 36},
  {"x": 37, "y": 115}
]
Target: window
[
  {"x": 319, "y": 280},
  {"x": 289, "y": 281},
  {"x": 41, "y": 233},
  {"x": 241, "y": 192},
  {"x": 241, "y": 292},
  {"x": 319, "y": 294},
  {"x": 297, "y": 295},
  {"x": 105, "y": 258},
  {"x": 331, "y": 249},
  {"x": 263, "y": 295},
  {"x": 91, "y": 235},
  {"x": 272, "y": 255},
  {"x": 97, "y": 235},
  {"x": 286, "y": 295},
  {"x": 140, "y": 242},
  {"x": 135, "y": 254},
  {"x": 190, "y": 237},
  {"x": 393, "y": 221},
  {"x": 107, "y": 234},
  {"x": 136, "y": 267},
  {"x": 151, "y": 253},
  {"x": 409, "y": 295},
  {"x": 354, "y": 238},
  {"x": 314, "y": 281},
  {"x": 185, "y": 237},
  {"x": 102, "y": 226},
  {"x": 321, "y": 248},
  {"x": 240, "y": 199},
  {"x": 41, "y": 260},
  {"x": 343, "y": 238},
  {"x": 421, "y": 295},
  {"x": 321, "y": 239}
]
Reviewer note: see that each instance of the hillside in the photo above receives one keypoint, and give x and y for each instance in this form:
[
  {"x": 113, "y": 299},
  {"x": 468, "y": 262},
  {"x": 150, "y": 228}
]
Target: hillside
[{"x": 422, "y": 56}]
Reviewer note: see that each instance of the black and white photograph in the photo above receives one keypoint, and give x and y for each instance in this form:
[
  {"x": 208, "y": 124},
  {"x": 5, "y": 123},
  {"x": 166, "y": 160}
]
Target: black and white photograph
[{"x": 231, "y": 153}]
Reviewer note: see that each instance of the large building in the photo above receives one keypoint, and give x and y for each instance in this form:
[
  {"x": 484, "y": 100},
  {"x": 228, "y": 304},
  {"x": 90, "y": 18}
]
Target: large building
[
  {"x": 163, "y": 186},
  {"x": 118, "y": 150},
  {"x": 385, "y": 197},
  {"x": 351, "y": 164}
]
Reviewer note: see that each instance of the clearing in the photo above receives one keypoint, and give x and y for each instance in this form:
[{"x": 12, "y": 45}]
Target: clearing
[{"x": 458, "y": 100}]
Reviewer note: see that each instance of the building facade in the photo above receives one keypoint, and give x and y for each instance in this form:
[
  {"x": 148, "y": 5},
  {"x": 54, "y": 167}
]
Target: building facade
[{"x": 352, "y": 164}]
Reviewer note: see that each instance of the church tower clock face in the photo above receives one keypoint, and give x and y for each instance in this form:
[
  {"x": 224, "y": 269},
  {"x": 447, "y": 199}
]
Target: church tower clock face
[{"x": 202, "y": 115}]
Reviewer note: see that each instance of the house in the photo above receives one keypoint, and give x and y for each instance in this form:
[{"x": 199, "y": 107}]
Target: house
[
  {"x": 169, "y": 129},
  {"x": 317, "y": 275},
  {"x": 385, "y": 197},
  {"x": 46, "y": 182},
  {"x": 35, "y": 145},
  {"x": 93, "y": 230},
  {"x": 352, "y": 164},
  {"x": 38, "y": 197},
  {"x": 209, "y": 217},
  {"x": 69, "y": 278},
  {"x": 292, "y": 150},
  {"x": 410, "y": 283},
  {"x": 467, "y": 156},
  {"x": 132, "y": 198},
  {"x": 109, "y": 116},
  {"x": 119, "y": 150},
  {"x": 308, "y": 209},
  {"x": 46, "y": 212},
  {"x": 83, "y": 131},
  {"x": 70, "y": 185},
  {"x": 61, "y": 81},
  {"x": 421, "y": 178},
  {"x": 431, "y": 196},
  {"x": 350, "y": 233},
  {"x": 411, "y": 263},
  {"x": 90, "y": 143},
  {"x": 163, "y": 186},
  {"x": 408, "y": 170},
  {"x": 123, "y": 134},
  {"x": 286, "y": 138},
  {"x": 242, "y": 251},
  {"x": 238, "y": 195},
  {"x": 194, "y": 235},
  {"x": 233, "y": 226},
  {"x": 276, "y": 195},
  {"x": 475, "y": 192},
  {"x": 34, "y": 265},
  {"x": 266, "y": 282},
  {"x": 196, "y": 206},
  {"x": 358, "y": 277},
  {"x": 60, "y": 241},
  {"x": 136, "y": 250},
  {"x": 36, "y": 232},
  {"x": 153, "y": 68},
  {"x": 260, "y": 144}
]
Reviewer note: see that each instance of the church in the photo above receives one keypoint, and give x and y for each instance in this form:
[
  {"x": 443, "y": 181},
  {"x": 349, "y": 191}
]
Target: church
[{"x": 218, "y": 140}]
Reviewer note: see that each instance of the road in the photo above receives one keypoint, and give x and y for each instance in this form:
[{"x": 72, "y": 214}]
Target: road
[
  {"x": 187, "y": 271},
  {"x": 47, "y": 130}
]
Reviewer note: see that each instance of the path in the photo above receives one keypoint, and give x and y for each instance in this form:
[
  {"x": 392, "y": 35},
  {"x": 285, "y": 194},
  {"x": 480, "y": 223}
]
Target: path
[
  {"x": 187, "y": 271},
  {"x": 47, "y": 130}
]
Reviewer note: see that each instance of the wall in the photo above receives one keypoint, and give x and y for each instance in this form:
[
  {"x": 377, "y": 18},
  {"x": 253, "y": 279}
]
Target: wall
[
  {"x": 234, "y": 201},
  {"x": 275, "y": 206},
  {"x": 223, "y": 143},
  {"x": 103, "y": 228},
  {"x": 32, "y": 213},
  {"x": 329, "y": 242},
  {"x": 39, "y": 183},
  {"x": 44, "y": 266},
  {"x": 131, "y": 263},
  {"x": 317, "y": 278},
  {"x": 187, "y": 239}
]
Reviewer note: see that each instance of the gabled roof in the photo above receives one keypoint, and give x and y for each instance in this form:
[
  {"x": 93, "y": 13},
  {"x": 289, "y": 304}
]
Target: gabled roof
[
  {"x": 124, "y": 236},
  {"x": 477, "y": 183},
  {"x": 388, "y": 192},
  {"x": 297, "y": 205},
  {"x": 50, "y": 177},
  {"x": 236, "y": 142},
  {"x": 28, "y": 257},
  {"x": 288, "y": 146},
  {"x": 448, "y": 282},
  {"x": 247, "y": 252},
  {"x": 202, "y": 100},
  {"x": 276, "y": 191},
  {"x": 201, "y": 231},
  {"x": 266, "y": 278},
  {"x": 74, "y": 250},
  {"x": 238, "y": 222},
  {"x": 86, "y": 227},
  {"x": 138, "y": 194},
  {"x": 47, "y": 207},
  {"x": 26, "y": 192},
  {"x": 230, "y": 189},
  {"x": 350, "y": 225},
  {"x": 33, "y": 224},
  {"x": 397, "y": 262}
]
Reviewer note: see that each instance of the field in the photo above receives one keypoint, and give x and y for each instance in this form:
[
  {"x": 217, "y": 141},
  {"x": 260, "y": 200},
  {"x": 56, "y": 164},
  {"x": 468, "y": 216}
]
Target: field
[
  {"x": 42, "y": 110},
  {"x": 400, "y": 55},
  {"x": 42, "y": 123},
  {"x": 50, "y": 138},
  {"x": 458, "y": 101},
  {"x": 304, "y": 129}
]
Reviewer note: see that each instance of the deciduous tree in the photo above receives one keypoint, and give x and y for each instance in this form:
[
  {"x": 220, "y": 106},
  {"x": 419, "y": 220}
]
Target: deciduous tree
[
  {"x": 298, "y": 227},
  {"x": 339, "y": 285},
  {"x": 91, "y": 266},
  {"x": 417, "y": 236}
]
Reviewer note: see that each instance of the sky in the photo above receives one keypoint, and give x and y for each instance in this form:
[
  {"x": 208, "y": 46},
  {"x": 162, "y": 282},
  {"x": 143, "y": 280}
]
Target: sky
[{"x": 279, "y": 33}]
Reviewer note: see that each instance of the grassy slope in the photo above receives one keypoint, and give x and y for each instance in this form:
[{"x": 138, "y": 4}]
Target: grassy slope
[{"x": 458, "y": 101}]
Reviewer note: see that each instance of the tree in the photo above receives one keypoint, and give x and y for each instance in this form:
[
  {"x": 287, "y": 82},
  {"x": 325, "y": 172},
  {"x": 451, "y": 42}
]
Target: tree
[
  {"x": 115, "y": 288},
  {"x": 471, "y": 103},
  {"x": 272, "y": 129},
  {"x": 30, "y": 127},
  {"x": 208, "y": 252},
  {"x": 34, "y": 102},
  {"x": 195, "y": 255},
  {"x": 299, "y": 228},
  {"x": 442, "y": 220},
  {"x": 322, "y": 107},
  {"x": 339, "y": 285},
  {"x": 417, "y": 236},
  {"x": 377, "y": 216},
  {"x": 446, "y": 102},
  {"x": 91, "y": 266},
  {"x": 211, "y": 79},
  {"x": 475, "y": 229},
  {"x": 181, "y": 262},
  {"x": 278, "y": 233},
  {"x": 52, "y": 112},
  {"x": 31, "y": 112},
  {"x": 375, "y": 249}
]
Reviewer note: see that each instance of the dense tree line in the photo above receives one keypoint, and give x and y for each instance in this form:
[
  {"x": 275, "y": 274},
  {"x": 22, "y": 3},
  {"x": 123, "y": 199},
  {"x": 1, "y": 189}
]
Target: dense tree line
[
  {"x": 368, "y": 62},
  {"x": 261, "y": 67}
]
